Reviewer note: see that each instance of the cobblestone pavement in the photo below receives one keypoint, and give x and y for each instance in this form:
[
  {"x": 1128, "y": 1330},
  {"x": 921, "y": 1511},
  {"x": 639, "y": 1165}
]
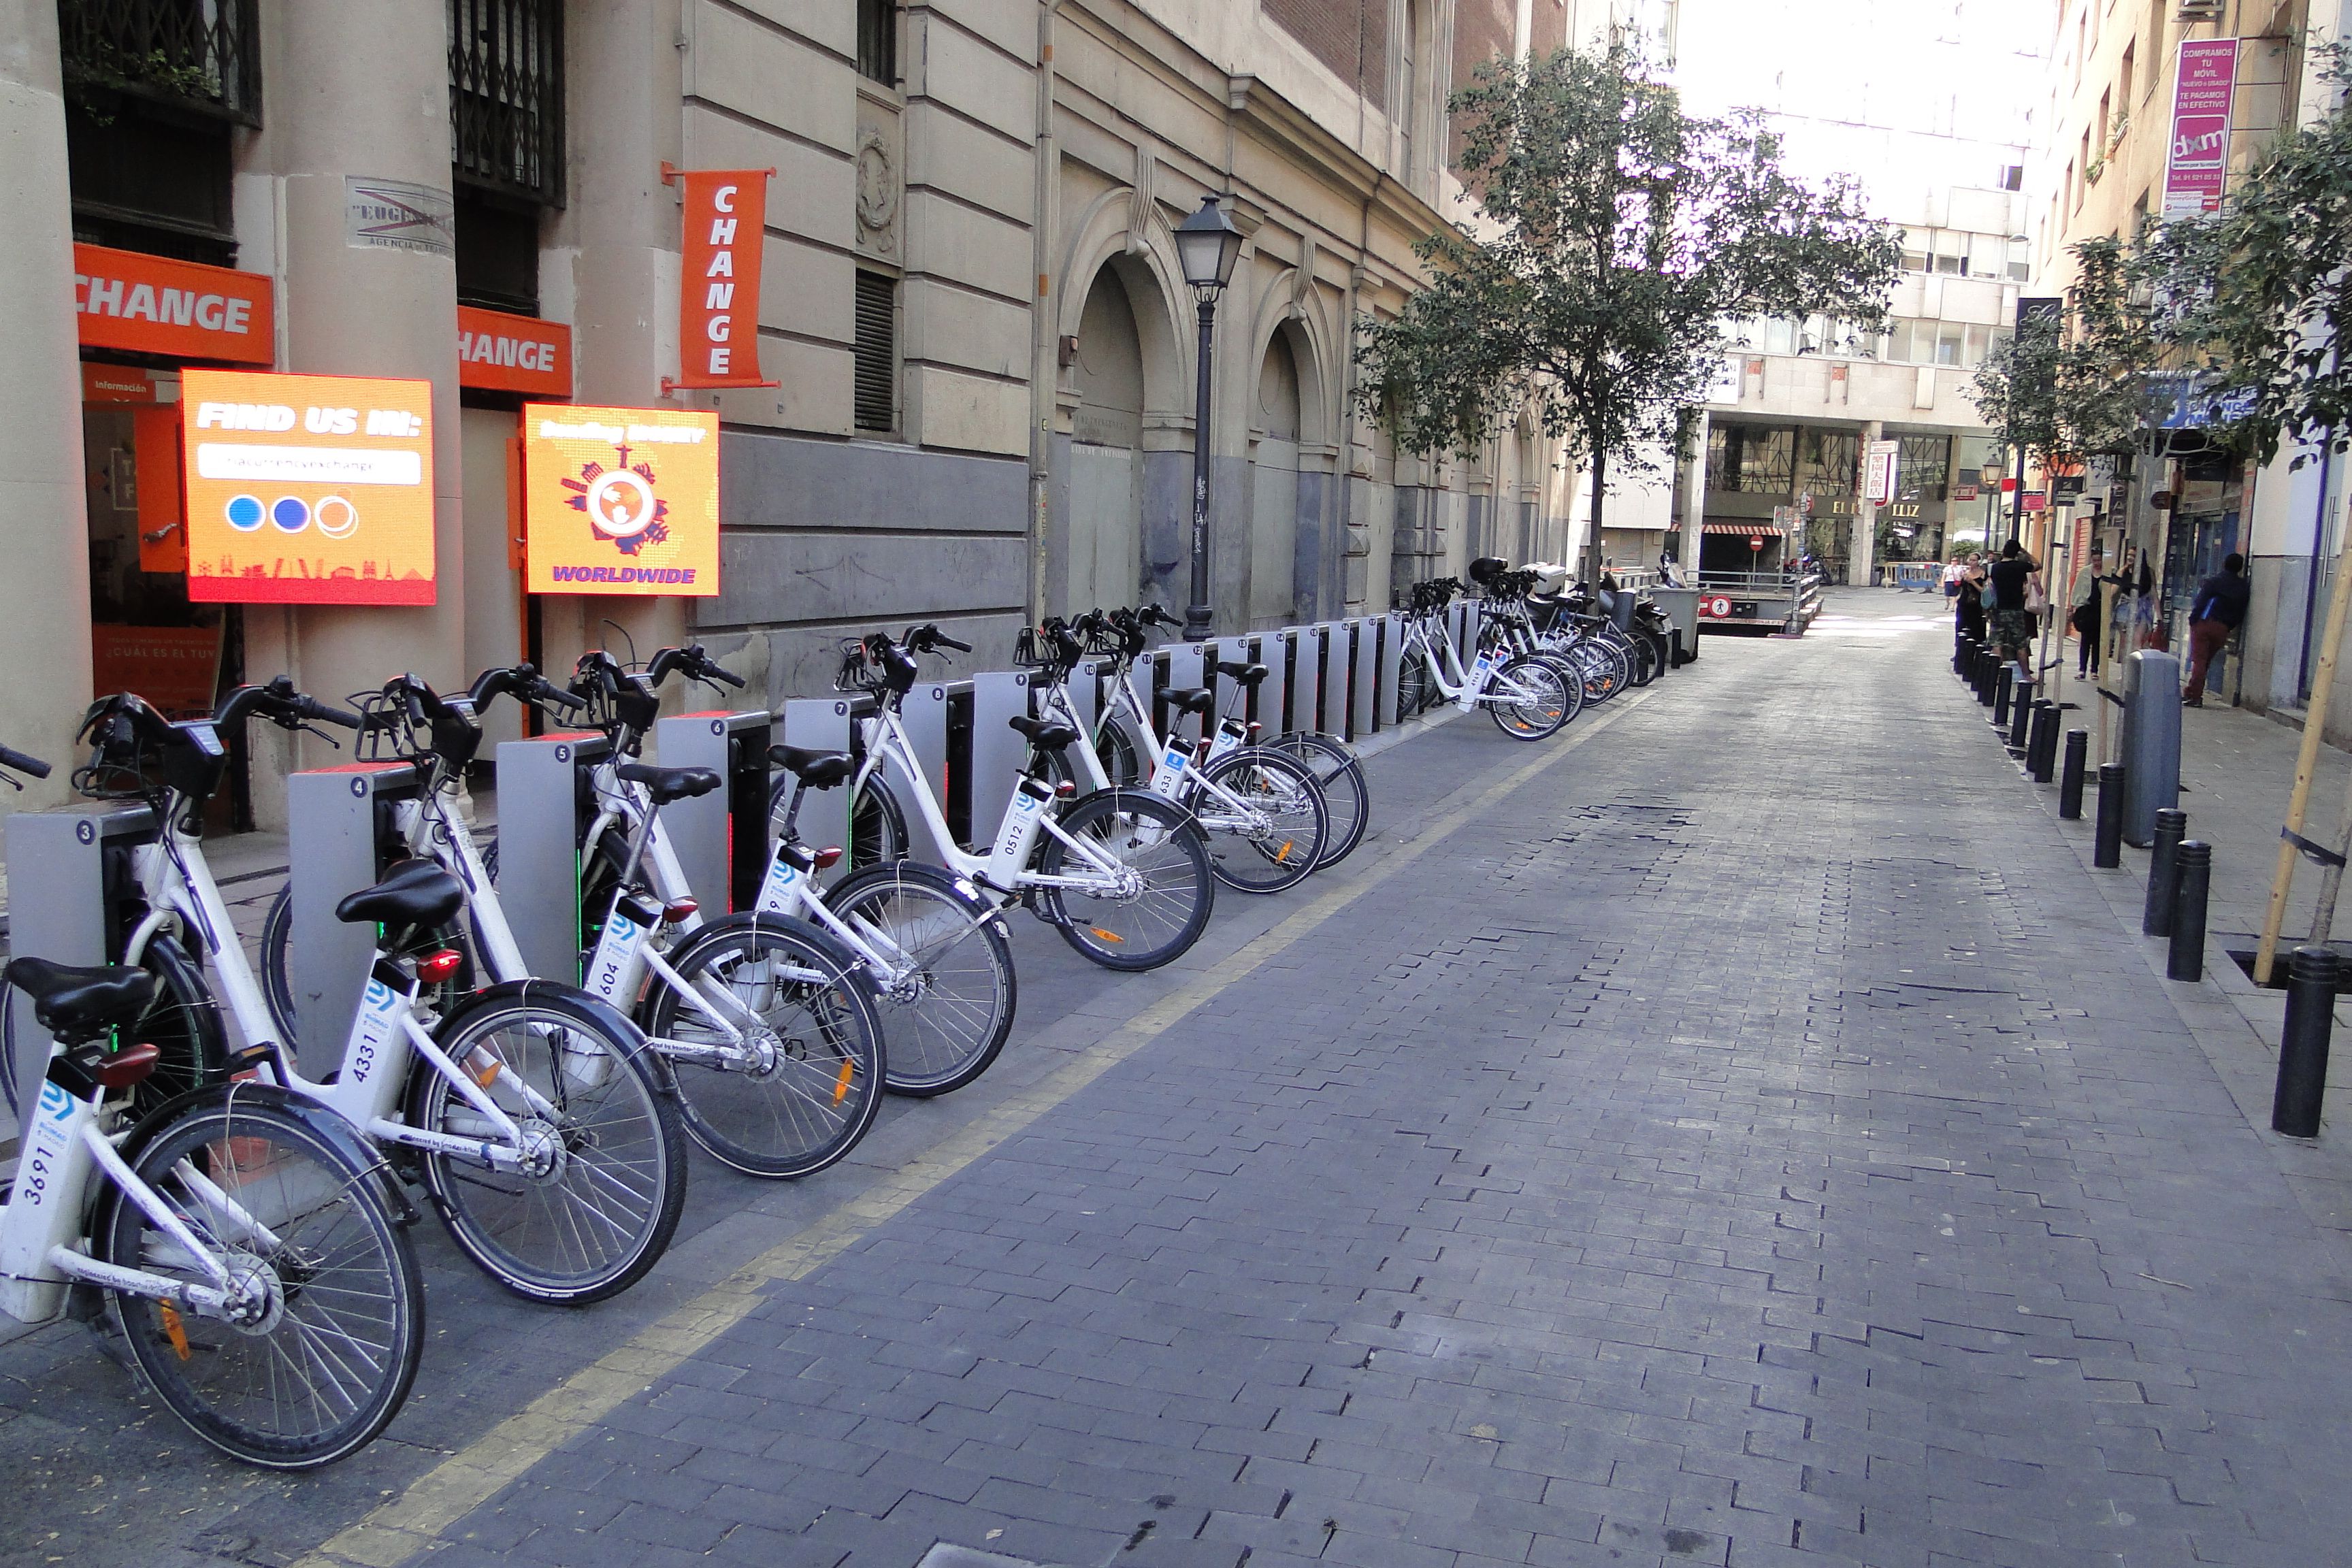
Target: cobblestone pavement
[{"x": 1746, "y": 1137}]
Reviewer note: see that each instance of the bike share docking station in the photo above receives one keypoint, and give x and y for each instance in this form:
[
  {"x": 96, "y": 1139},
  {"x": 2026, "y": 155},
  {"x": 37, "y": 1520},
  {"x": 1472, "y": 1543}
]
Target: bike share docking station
[
  {"x": 546, "y": 806},
  {"x": 342, "y": 835},
  {"x": 721, "y": 839},
  {"x": 72, "y": 894}
]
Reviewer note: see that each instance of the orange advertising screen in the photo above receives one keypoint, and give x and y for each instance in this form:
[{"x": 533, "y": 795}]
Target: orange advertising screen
[
  {"x": 308, "y": 489},
  {"x": 620, "y": 501}
]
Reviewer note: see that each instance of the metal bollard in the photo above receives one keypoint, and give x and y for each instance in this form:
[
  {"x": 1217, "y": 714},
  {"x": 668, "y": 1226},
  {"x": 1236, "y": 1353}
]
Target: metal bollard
[
  {"x": 2303, "y": 1052},
  {"x": 1988, "y": 675},
  {"x": 2004, "y": 686},
  {"x": 2042, "y": 745},
  {"x": 2070, "y": 780},
  {"x": 2020, "y": 715},
  {"x": 2107, "y": 848},
  {"x": 2163, "y": 861},
  {"x": 2192, "y": 880}
]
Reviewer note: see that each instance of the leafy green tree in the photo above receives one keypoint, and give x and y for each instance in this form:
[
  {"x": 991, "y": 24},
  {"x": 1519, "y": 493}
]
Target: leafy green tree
[
  {"x": 2016, "y": 390},
  {"x": 2257, "y": 296},
  {"x": 1621, "y": 238}
]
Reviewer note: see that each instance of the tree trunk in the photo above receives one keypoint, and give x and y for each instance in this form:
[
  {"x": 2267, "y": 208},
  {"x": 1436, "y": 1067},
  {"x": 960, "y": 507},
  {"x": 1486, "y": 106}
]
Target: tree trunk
[{"x": 1593, "y": 541}]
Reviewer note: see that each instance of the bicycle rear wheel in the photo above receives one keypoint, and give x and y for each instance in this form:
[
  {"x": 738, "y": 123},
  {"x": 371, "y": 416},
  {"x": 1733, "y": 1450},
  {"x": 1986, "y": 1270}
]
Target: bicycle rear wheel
[
  {"x": 322, "y": 1351},
  {"x": 947, "y": 994},
  {"x": 602, "y": 1212},
  {"x": 814, "y": 1083},
  {"x": 1416, "y": 689},
  {"x": 1165, "y": 907},
  {"x": 1341, "y": 773},
  {"x": 1274, "y": 838}
]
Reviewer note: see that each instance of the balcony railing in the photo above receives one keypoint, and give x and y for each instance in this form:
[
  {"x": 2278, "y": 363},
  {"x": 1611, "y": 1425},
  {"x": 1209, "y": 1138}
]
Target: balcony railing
[
  {"x": 506, "y": 96},
  {"x": 192, "y": 55}
]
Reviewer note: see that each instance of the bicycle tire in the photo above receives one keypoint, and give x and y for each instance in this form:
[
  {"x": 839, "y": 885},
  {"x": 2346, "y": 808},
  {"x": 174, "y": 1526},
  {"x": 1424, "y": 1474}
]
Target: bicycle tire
[
  {"x": 592, "y": 1064},
  {"x": 840, "y": 1054},
  {"x": 1299, "y": 822},
  {"x": 1603, "y": 669},
  {"x": 1543, "y": 714},
  {"x": 1131, "y": 826},
  {"x": 183, "y": 1024},
  {"x": 1123, "y": 759},
  {"x": 1340, "y": 772},
  {"x": 877, "y": 823},
  {"x": 348, "y": 1291},
  {"x": 1416, "y": 688},
  {"x": 937, "y": 1035}
]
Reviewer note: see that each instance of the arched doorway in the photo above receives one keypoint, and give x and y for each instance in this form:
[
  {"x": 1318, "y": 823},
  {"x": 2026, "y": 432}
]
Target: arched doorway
[
  {"x": 1103, "y": 559},
  {"x": 1274, "y": 485}
]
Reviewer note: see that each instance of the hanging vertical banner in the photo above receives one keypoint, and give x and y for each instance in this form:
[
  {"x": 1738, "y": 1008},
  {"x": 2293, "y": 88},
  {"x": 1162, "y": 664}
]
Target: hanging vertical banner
[
  {"x": 718, "y": 282},
  {"x": 1883, "y": 465},
  {"x": 2202, "y": 94}
]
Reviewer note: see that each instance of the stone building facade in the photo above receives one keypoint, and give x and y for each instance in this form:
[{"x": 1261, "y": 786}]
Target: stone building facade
[{"x": 983, "y": 348}]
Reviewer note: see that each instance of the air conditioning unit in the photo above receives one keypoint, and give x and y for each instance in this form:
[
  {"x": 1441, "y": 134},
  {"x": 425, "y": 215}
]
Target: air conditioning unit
[{"x": 2198, "y": 11}]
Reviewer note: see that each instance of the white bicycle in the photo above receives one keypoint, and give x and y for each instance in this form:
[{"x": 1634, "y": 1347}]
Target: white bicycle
[
  {"x": 529, "y": 1112},
  {"x": 1523, "y": 694},
  {"x": 1263, "y": 812},
  {"x": 261, "y": 1285},
  {"x": 1122, "y": 874}
]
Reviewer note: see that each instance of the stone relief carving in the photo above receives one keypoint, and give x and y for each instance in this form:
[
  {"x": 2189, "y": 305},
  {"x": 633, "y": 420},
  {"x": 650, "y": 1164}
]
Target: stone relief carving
[{"x": 877, "y": 190}]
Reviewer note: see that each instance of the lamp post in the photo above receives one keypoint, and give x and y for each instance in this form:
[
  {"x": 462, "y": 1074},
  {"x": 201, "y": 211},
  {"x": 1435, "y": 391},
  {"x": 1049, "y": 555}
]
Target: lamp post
[
  {"x": 1207, "y": 246},
  {"x": 1992, "y": 474}
]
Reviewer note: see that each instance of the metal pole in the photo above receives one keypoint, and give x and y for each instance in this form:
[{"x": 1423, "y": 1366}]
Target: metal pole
[
  {"x": 1197, "y": 615},
  {"x": 2193, "y": 881},
  {"x": 2163, "y": 872},
  {"x": 2303, "y": 1051},
  {"x": 2107, "y": 852}
]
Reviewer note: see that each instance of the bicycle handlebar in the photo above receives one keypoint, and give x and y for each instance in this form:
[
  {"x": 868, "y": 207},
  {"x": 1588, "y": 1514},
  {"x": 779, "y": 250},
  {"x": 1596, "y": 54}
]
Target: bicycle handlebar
[{"x": 11, "y": 758}]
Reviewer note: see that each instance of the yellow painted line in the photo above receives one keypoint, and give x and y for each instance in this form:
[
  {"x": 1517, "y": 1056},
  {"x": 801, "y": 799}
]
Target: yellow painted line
[{"x": 407, "y": 1525}]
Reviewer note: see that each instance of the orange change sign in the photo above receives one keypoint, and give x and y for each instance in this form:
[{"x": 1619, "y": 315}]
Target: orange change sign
[
  {"x": 718, "y": 282},
  {"x": 620, "y": 501},
  {"x": 502, "y": 352},
  {"x": 308, "y": 489},
  {"x": 126, "y": 299}
]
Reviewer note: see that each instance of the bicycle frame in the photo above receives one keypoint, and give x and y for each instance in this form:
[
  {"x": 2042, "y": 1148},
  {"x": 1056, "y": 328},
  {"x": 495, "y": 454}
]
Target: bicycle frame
[
  {"x": 1179, "y": 772},
  {"x": 178, "y": 884},
  {"x": 44, "y": 1218},
  {"x": 1484, "y": 682}
]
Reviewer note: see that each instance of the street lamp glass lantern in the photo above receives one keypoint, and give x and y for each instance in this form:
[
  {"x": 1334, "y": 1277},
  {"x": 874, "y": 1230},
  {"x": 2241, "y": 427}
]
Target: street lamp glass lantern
[
  {"x": 1208, "y": 245},
  {"x": 1993, "y": 472}
]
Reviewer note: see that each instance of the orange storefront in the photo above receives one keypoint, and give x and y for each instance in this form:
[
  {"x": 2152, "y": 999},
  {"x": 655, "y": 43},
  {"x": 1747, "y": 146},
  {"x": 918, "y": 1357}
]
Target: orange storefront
[{"x": 333, "y": 506}]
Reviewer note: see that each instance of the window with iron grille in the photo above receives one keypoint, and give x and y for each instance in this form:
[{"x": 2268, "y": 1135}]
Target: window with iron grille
[
  {"x": 189, "y": 55},
  {"x": 506, "y": 96},
  {"x": 877, "y": 352}
]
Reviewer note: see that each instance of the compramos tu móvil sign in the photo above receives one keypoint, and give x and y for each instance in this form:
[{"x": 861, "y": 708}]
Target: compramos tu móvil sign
[{"x": 620, "y": 501}]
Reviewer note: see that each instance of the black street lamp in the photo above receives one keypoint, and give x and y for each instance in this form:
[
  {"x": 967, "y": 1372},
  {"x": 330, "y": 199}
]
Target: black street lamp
[{"x": 1207, "y": 246}]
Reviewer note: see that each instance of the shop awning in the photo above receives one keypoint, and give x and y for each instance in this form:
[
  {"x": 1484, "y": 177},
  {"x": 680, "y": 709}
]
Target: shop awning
[{"x": 1743, "y": 528}]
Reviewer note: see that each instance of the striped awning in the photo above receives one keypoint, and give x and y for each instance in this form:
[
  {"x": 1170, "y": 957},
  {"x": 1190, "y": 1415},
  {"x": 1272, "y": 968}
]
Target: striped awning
[{"x": 1744, "y": 528}]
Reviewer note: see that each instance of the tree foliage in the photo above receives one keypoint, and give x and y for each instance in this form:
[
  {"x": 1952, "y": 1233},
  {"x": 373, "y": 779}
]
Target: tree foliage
[
  {"x": 2258, "y": 294},
  {"x": 1621, "y": 237},
  {"x": 2016, "y": 388}
]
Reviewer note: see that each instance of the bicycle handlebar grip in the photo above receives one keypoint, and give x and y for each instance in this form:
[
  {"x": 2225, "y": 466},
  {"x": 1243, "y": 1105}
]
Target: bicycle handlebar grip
[
  {"x": 946, "y": 641},
  {"x": 11, "y": 758},
  {"x": 547, "y": 691},
  {"x": 312, "y": 708},
  {"x": 725, "y": 677}
]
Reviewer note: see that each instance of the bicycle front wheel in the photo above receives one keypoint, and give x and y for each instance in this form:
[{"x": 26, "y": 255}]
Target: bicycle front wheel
[
  {"x": 798, "y": 1080},
  {"x": 944, "y": 986},
  {"x": 1527, "y": 700},
  {"x": 595, "y": 1207},
  {"x": 316, "y": 1353},
  {"x": 1416, "y": 689},
  {"x": 1270, "y": 836},
  {"x": 1345, "y": 792},
  {"x": 1153, "y": 889}
]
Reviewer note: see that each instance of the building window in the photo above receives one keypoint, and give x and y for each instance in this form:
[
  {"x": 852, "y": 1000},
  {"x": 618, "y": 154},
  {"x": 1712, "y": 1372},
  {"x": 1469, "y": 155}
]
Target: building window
[
  {"x": 1752, "y": 459},
  {"x": 2012, "y": 176},
  {"x": 878, "y": 41},
  {"x": 877, "y": 352},
  {"x": 2123, "y": 81},
  {"x": 181, "y": 54},
  {"x": 506, "y": 97}
]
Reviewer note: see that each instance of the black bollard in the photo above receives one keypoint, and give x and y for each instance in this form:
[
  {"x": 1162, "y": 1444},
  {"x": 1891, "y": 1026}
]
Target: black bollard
[
  {"x": 2163, "y": 872},
  {"x": 2193, "y": 879},
  {"x": 1988, "y": 675},
  {"x": 2303, "y": 1052},
  {"x": 2020, "y": 715},
  {"x": 2042, "y": 746},
  {"x": 2004, "y": 685},
  {"x": 2107, "y": 848},
  {"x": 2070, "y": 781}
]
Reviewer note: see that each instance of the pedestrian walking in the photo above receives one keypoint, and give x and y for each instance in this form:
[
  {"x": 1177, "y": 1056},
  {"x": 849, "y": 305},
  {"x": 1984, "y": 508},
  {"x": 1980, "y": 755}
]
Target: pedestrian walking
[
  {"x": 2219, "y": 609},
  {"x": 2085, "y": 615},
  {"x": 1970, "y": 601},
  {"x": 2014, "y": 580}
]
